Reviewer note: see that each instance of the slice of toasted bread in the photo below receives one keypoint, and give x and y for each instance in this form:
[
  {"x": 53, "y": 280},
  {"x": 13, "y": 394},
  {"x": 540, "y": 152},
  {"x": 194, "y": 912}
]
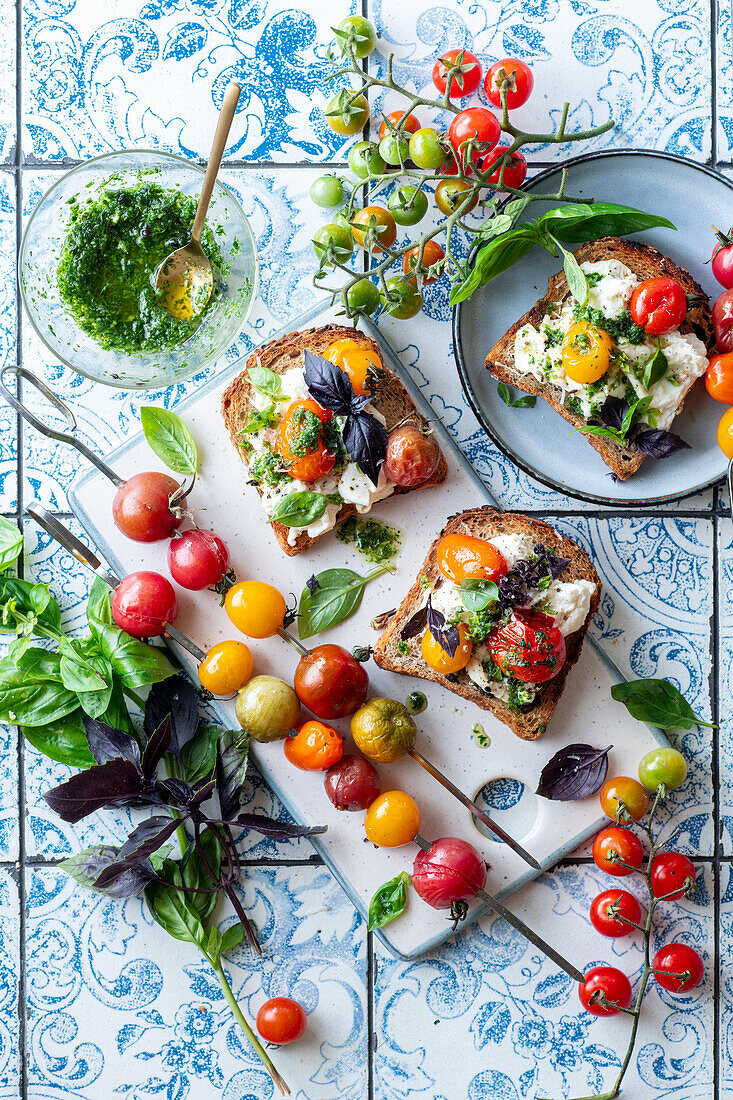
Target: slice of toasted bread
[
  {"x": 391, "y": 400},
  {"x": 645, "y": 262},
  {"x": 485, "y": 522}
]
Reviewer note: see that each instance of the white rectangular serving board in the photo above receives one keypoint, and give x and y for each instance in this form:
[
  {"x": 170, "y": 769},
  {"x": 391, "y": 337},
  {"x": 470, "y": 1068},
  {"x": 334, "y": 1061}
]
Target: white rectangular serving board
[{"x": 549, "y": 830}]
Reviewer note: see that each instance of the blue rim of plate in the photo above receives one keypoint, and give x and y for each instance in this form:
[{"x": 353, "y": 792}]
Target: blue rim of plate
[{"x": 463, "y": 374}]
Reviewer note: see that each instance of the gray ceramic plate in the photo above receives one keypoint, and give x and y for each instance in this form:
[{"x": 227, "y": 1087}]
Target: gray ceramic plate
[{"x": 538, "y": 440}]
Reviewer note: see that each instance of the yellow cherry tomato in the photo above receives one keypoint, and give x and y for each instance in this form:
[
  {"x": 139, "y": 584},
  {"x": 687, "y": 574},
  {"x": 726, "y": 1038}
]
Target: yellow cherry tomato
[
  {"x": 357, "y": 360},
  {"x": 439, "y": 659},
  {"x": 725, "y": 433},
  {"x": 227, "y": 667},
  {"x": 586, "y": 352},
  {"x": 347, "y": 112},
  {"x": 393, "y": 819},
  {"x": 255, "y": 608}
]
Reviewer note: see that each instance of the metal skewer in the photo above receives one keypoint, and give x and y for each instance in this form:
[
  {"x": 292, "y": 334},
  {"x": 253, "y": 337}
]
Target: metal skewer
[
  {"x": 521, "y": 927},
  {"x": 61, "y": 534},
  {"x": 474, "y": 809}
]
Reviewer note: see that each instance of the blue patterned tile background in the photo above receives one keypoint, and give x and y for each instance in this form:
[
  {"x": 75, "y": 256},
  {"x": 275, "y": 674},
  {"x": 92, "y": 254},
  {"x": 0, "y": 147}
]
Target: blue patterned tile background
[{"x": 112, "y": 1008}]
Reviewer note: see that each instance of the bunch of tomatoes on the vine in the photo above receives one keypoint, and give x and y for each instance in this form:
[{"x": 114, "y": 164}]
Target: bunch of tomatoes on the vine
[
  {"x": 669, "y": 875},
  {"x": 719, "y": 375},
  {"x": 453, "y": 165}
]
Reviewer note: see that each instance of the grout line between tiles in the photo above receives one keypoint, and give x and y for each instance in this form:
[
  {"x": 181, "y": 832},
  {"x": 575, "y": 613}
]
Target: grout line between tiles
[{"x": 715, "y": 770}]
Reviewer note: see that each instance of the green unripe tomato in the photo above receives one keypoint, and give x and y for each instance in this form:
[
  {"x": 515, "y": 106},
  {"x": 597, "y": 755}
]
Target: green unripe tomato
[
  {"x": 363, "y": 297},
  {"x": 358, "y": 33},
  {"x": 426, "y": 150},
  {"x": 383, "y": 730},
  {"x": 403, "y": 299},
  {"x": 408, "y": 205},
  {"x": 365, "y": 161},
  {"x": 346, "y": 113},
  {"x": 662, "y": 765},
  {"x": 339, "y": 235},
  {"x": 394, "y": 149},
  {"x": 267, "y": 708},
  {"x": 327, "y": 191}
]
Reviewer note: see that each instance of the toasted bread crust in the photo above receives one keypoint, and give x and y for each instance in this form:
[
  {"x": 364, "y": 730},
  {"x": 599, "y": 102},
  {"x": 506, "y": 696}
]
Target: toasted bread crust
[
  {"x": 392, "y": 400},
  {"x": 644, "y": 261},
  {"x": 486, "y": 522}
]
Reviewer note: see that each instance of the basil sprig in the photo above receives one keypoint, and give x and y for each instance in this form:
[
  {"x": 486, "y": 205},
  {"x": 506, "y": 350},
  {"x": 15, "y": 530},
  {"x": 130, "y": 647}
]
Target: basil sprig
[
  {"x": 657, "y": 702},
  {"x": 528, "y": 401},
  {"x": 573, "y": 223},
  {"x": 299, "y": 509},
  {"x": 170, "y": 437},
  {"x": 655, "y": 367},
  {"x": 335, "y": 596},
  {"x": 389, "y": 901},
  {"x": 266, "y": 382}
]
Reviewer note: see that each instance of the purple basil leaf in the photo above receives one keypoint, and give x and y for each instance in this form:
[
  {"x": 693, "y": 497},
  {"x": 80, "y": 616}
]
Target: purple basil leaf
[
  {"x": 447, "y": 639},
  {"x": 99, "y": 786},
  {"x": 158, "y": 744},
  {"x": 174, "y": 696},
  {"x": 415, "y": 624},
  {"x": 328, "y": 384},
  {"x": 659, "y": 444},
  {"x": 365, "y": 440},
  {"x": 106, "y": 743},
  {"x": 86, "y": 866},
  {"x": 204, "y": 791},
  {"x": 514, "y": 588},
  {"x": 612, "y": 412},
  {"x": 231, "y": 770},
  {"x": 312, "y": 583},
  {"x": 577, "y": 771},
  {"x": 139, "y": 846},
  {"x": 180, "y": 791},
  {"x": 277, "y": 830}
]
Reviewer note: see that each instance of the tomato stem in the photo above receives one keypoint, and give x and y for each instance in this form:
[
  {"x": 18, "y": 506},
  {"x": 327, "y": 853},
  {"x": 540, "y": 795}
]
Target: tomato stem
[{"x": 251, "y": 1037}]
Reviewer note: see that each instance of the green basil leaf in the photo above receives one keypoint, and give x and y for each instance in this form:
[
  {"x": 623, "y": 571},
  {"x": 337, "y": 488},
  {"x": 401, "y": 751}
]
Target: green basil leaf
[
  {"x": 477, "y": 594},
  {"x": 174, "y": 911},
  {"x": 11, "y": 542},
  {"x": 18, "y": 648},
  {"x": 577, "y": 282},
  {"x": 267, "y": 382},
  {"x": 657, "y": 702},
  {"x": 655, "y": 368},
  {"x": 516, "y": 206},
  {"x": 527, "y": 402},
  {"x": 64, "y": 740},
  {"x": 28, "y": 599},
  {"x": 39, "y": 665},
  {"x": 495, "y": 226},
  {"x": 497, "y": 256},
  {"x": 195, "y": 876},
  {"x": 232, "y": 937},
  {"x": 299, "y": 509},
  {"x": 134, "y": 661},
  {"x": 32, "y": 702},
  {"x": 579, "y": 222},
  {"x": 606, "y": 433},
  {"x": 389, "y": 901},
  {"x": 634, "y": 414},
  {"x": 170, "y": 438},
  {"x": 337, "y": 596},
  {"x": 199, "y": 754},
  {"x": 213, "y": 947}
]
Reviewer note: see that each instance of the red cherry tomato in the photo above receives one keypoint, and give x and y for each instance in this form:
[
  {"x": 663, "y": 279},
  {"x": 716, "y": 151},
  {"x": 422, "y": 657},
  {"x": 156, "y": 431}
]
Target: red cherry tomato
[
  {"x": 617, "y": 841},
  {"x": 300, "y": 441},
  {"x": 412, "y": 456},
  {"x": 620, "y": 902},
  {"x": 462, "y": 556},
  {"x": 281, "y": 1021},
  {"x": 141, "y": 507},
  {"x": 353, "y": 783},
  {"x": 314, "y": 748},
  {"x": 605, "y": 984},
  {"x": 529, "y": 647},
  {"x": 451, "y": 870},
  {"x": 410, "y": 124},
  {"x": 719, "y": 378},
  {"x": 658, "y": 305},
  {"x": 672, "y": 875},
  {"x": 197, "y": 559},
  {"x": 520, "y": 82},
  {"x": 721, "y": 260},
  {"x": 330, "y": 682},
  {"x": 478, "y": 124},
  {"x": 143, "y": 604},
  {"x": 432, "y": 254},
  {"x": 678, "y": 968},
  {"x": 723, "y": 320},
  {"x": 515, "y": 170},
  {"x": 462, "y": 83}
]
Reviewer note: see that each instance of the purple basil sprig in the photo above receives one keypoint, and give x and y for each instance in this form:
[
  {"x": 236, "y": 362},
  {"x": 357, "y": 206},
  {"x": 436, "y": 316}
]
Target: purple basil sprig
[
  {"x": 577, "y": 771},
  {"x": 434, "y": 620},
  {"x": 617, "y": 415},
  {"x": 515, "y": 586}
]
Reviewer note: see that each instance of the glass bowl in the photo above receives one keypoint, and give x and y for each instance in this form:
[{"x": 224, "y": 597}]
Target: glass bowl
[{"x": 43, "y": 242}]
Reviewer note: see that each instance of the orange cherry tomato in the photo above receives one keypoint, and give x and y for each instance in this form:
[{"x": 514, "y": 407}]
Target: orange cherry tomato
[
  {"x": 719, "y": 377},
  {"x": 725, "y": 433},
  {"x": 227, "y": 667},
  {"x": 624, "y": 794},
  {"x": 360, "y": 362},
  {"x": 314, "y": 748},
  {"x": 439, "y": 659},
  {"x": 384, "y": 227},
  {"x": 410, "y": 124},
  {"x": 255, "y": 608},
  {"x": 300, "y": 441},
  {"x": 461, "y": 556},
  {"x": 393, "y": 819},
  {"x": 432, "y": 254}
]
